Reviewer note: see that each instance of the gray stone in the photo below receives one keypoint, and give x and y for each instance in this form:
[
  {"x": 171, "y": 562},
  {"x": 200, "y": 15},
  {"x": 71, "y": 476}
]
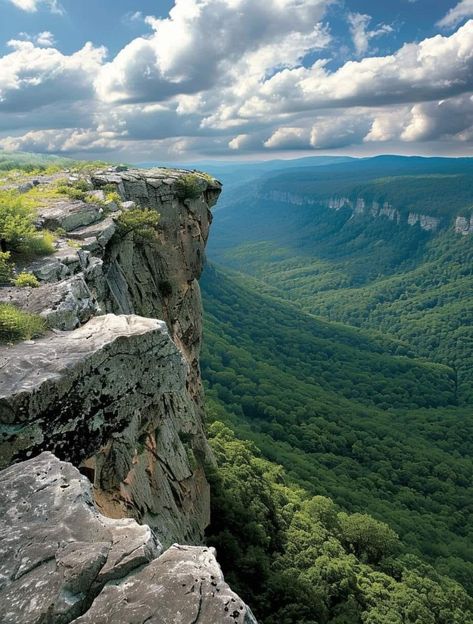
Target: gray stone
[
  {"x": 56, "y": 551},
  {"x": 112, "y": 395},
  {"x": 128, "y": 205},
  {"x": 64, "y": 305},
  {"x": 464, "y": 225},
  {"x": 98, "y": 195},
  {"x": 70, "y": 215},
  {"x": 101, "y": 231},
  {"x": 185, "y": 585}
]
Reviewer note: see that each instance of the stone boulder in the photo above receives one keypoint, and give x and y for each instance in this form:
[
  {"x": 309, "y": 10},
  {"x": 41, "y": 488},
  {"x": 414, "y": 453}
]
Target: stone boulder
[
  {"x": 111, "y": 397},
  {"x": 61, "y": 561},
  {"x": 56, "y": 551}
]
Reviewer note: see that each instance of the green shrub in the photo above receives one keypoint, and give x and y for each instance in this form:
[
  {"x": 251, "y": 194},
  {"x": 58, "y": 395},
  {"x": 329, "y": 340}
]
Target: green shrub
[
  {"x": 81, "y": 185},
  {"x": 26, "y": 279},
  {"x": 142, "y": 223},
  {"x": 41, "y": 244},
  {"x": 72, "y": 192},
  {"x": 6, "y": 268},
  {"x": 114, "y": 197},
  {"x": 109, "y": 188},
  {"x": 18, "y": 325},
  {"x": 17, "y": 230},
  {"x": 189, "y": 186}
]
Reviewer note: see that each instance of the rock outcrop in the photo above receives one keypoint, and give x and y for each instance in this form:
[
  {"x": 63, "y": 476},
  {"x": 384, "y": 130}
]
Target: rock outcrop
[
  {"x": 464, "y": 225},
  {"x": 374, "y": 209},
  {"x": 61, "y": 561},
  {"x": 114, "y": 391}
]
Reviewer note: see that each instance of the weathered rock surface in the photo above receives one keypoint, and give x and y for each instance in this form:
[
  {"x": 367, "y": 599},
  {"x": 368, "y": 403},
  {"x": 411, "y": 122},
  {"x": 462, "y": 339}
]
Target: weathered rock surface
[
  {"x": 70, "y": 215},
  {"x": 119, "y": 415},
  {"x": 61, "y": 561},
  {"x": 184, "y": 586},
  {"x": 464, "y": 225},
  {"x": 56, "y": 550},
  {"x": 111, "y": 396}
]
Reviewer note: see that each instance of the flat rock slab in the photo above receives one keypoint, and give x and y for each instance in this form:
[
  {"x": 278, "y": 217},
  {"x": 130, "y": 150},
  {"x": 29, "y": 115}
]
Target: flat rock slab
[
  {"x": 56, "y": 551},
  {"x": 183, "y": 586},
  {"x": 69, "y": 392},
  {"x": 70, "y": 215}
]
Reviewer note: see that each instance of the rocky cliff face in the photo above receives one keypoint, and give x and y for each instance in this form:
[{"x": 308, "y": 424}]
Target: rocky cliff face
[
  {"x": 119, "y": 395},
  {"x": 101, "y": 421},
  {"x": 373, "y": 209},
  {"x": 464, "y": 225},
  {"x": 61, "y": 561}
]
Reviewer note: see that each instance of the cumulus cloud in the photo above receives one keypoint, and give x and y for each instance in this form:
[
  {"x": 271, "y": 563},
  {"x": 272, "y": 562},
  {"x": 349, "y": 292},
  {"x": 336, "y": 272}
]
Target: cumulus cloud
[
  {"x": 361, "y": 34},
  {"x": 435, "y": 68},
  {"x": 53, "y": 141},
  {"x": 220, "y": 76},
  {"x": 31, "y": 6},
  {"x": 461, "y": 11},
  {"x": 289, "y": 138},
  {"x": 203, "y": 42},
  {"x": 32, "y": 76}
]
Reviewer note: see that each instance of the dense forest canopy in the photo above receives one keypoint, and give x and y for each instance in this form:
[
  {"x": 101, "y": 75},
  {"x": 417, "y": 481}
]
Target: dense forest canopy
[{"x": 343, "y": 350}]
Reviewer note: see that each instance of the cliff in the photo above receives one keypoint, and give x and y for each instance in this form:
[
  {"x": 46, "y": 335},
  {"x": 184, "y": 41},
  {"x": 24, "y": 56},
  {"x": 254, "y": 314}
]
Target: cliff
[
  {"x": 114, "y": 387},
  {"x": 62, "y": 561},
  {"x": 375, "y": 209}
]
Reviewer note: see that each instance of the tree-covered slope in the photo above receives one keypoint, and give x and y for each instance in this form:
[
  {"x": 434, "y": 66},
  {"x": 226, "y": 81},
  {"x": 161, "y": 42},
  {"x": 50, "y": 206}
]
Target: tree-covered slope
[
  {"x": 300, "y": 559},
  {"x": 349, "y": 414},
  {"x": 370, "y": 272}
]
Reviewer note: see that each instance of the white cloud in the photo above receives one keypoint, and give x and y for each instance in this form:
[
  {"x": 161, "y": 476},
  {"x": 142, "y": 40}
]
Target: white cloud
[
  {"x": 54, "y": 141},
  {"x": 31, "y": 77},
  {"x": 220, "y": 76},
  {"x": 459, "y": 12},
  {"x": 43, "y": 39},
  {"x": 206, "y": 41},
  {"x": 360, "y": 33},
  {"x": 289, "y": 138},
  {"x": 432, "y": 69},
  {"x": 31, "y": 6}
]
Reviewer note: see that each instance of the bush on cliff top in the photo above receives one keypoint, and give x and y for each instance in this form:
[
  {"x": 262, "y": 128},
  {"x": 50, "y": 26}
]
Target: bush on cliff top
[
  {"x": 18, "y": 233},
  {"x": 140, "y": 222},
  {"x": 189, "y": 186},
  {"x": 25, "y": 279},
  {"x": 15, "y": 324}
]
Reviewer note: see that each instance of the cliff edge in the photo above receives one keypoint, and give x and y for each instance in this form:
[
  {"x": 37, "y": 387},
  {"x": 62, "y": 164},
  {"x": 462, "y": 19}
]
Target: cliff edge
[{"x": 113, "y": 388}]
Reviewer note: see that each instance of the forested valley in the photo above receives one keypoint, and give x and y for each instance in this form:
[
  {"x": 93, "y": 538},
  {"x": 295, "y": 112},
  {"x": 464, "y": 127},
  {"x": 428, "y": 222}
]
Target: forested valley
[{"x": 338, "y": 350}]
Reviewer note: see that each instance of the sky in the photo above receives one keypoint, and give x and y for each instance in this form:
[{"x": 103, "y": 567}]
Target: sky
[{"x": 183, "y": 80}]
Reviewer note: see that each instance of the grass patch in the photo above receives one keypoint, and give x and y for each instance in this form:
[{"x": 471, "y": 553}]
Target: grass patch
[{"x": 15, "y": 324}]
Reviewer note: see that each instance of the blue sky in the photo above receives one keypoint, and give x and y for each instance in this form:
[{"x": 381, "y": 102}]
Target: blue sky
[{"x": 155, "y": 79}]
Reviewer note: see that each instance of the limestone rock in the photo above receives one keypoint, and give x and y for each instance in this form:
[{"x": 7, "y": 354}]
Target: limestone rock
[
  {"x": 426, "y": 222},
  {"x": 64, "y": 305},
  {"x": 112, "y": 395},
  {"x": 70, "y": 215},
  {"x": 464, "y": 225},
  {"x": 183, "y": 586},
  {"x": 56, "y": 551},
  {"x": 145, "y": 445},
  {"x": 61, "y": 561}
]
